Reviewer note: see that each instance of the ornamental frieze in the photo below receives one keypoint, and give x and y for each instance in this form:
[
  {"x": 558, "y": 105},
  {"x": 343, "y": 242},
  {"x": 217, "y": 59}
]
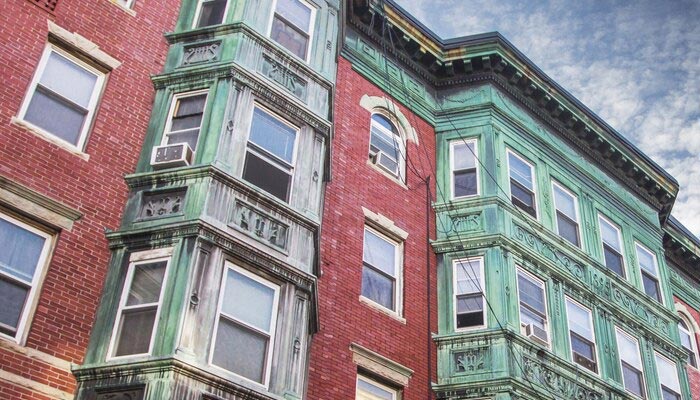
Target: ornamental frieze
[
  {"x": 201, "y": 53},
  {"x": 260, "y": 226},
  {"x": 282, "y": 75},
  {"x": 163, "y": 204},
  {"x": 559, "y": 385},
  {"x": 472, "y": 361},
  {"x": 550, "y": 252},
  {"x": 466, "y": 223}
]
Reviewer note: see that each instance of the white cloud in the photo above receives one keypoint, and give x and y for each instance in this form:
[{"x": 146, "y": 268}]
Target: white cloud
[{"x": 637, "y": 65}]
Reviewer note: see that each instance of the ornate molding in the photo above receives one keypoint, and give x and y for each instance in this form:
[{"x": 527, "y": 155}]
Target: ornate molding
[
  {"x": 380, "y": 365},
  {"x": 259, "y": 225},
  {"x": 562, "y": 387},
  {"x": 162, "y": 204},
  {"x": 201, "y": 53},
  {"x": 284, "y": 76}
]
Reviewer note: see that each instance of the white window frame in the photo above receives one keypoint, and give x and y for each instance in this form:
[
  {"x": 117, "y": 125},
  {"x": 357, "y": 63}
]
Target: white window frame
[
  {"x": 125, "y": 3},
  {"x": 27, "y": 311},
  {"x": 198, "y": 11},
  {"x": 658, "y": 356},
  {"x": 269, "y": 157},
  {"x": 482, "y": 288},
  {"x": 312, "y": 25},
  {"x": 693, "y": 338},
  {"x": 621, "y": 250},
  {"x": 394, "y": 392},
  {"x": 398, "y": 137},
  {"x": 543, "y": 285},
  {"x": 640, "y": 247},
  {"x": 576, "y": 211},
  {"x": 171, "y": 114},
  {"x": 534, "y": 183},
  {"x": 146, "y": 257},
  {"x": 398, "y": 268},
  {"x": 273, "y": 321},
  {"x": 619, "y": 331},
  {"x": 92, "y": 103},
  {"x": 466, "y": 143},
  {"x": 593, "y": 340}
]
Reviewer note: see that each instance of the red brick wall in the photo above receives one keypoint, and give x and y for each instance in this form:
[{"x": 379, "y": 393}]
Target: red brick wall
[
  {"x": 343, "y": 318},
  {"x": 693, "y": 373},
  {"x": 74, "y": 280}
]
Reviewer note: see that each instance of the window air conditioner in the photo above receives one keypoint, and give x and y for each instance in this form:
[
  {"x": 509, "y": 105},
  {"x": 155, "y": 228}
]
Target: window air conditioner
[
  {"x": 537, "y": 334},
  {"x": 172, "y": 155}
]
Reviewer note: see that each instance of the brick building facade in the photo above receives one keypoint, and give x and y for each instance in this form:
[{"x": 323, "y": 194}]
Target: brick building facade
[{"x": 61, "y": 188}]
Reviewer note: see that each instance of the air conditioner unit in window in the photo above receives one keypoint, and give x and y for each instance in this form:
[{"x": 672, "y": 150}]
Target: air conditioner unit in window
[
  {"x": 537, "y": 334},
  {"x": 172, "y": 155},
  {"x": 585, "y": 362},
  {"x": 380, "y": 159}
]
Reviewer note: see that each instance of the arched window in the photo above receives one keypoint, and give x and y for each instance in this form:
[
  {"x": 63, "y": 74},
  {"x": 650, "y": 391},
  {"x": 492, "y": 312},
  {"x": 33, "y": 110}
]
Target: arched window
[
  {"x": 386, "y": 146},
  {"x": 688, "y": 340}
]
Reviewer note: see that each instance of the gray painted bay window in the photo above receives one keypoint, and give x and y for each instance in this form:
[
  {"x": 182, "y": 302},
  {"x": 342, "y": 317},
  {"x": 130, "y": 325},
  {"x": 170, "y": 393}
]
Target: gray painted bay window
[
  {"x": 139, "y": 307},
  {"x": 245, "y": 329},
  {"x": 270, "y": 155},
  {"x": 292, "y": 26}
]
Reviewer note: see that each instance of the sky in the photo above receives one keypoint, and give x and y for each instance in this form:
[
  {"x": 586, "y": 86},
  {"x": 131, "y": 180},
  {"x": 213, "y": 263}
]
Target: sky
[{"x": 636, "y": 64}]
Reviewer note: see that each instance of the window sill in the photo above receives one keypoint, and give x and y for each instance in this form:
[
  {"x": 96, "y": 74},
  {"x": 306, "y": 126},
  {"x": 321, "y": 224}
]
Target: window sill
[
  {"x": 49, "y": 137},
  {"x": 125, "y": 9},
  {"x": 388, "y": 175},
  {"x": 382, "y": 309}
]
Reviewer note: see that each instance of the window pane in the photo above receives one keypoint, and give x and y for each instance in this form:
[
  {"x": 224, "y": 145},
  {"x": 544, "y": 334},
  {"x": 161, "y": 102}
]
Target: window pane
[
  {"x": 583, "y": 347},
  {"x": 379, "y": 253},
  {"x": 629, "y": 350},
  {"x": 384, "y": 122},
  {"x": 523, "y": 198},
  {"x": 135, "y": 332},
  {"x": 190, "y": 137},
  {"x": 368, "y": 391},
  {"x": 55, "y": 116},
  {"x": 289, "y": 37},
  {"x": 670, "y": 395},
  {"x": 377, "y": 287},
  {"x": 12, "y": 298},
  {"x": 463, "y": 156},
  {"x": 248, "y": 300},
  {"x": 646, "y": 260},
  {"x": 610, "y": 234},
  {"x": 567, "y": 229},
  {"x": 527, "y": 317},
  {"x": 613, "y": 260},
  {"x": 266, "y": 176},
  {"x": 188, "y": 112},
  {"x": 146, "y": 283},
  {"x": 240, "y": 350},
  {"x": 465, "y": 183},
  {"x": 380, "y": 141},
  {"x": 68, "y": 79},
  {"x": 579, "y": 320},
  {"x": 21, "y": 250},
  {"x": 211, "y": 13},
  {"x": 520, "y": 171},
  {"x": 668, "y": 375},
  {"x": 633, "y": 380},
  {"x": 295, "y": 12},
  {"x": 468, "y": 276},
  {"x": 272, "y": 135},
  {"x": 470, "y": 311},
  {"x": 531, "y": 293},
  {"x": 651, "y": 286},
  {"x": 564, "y": 202}
]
